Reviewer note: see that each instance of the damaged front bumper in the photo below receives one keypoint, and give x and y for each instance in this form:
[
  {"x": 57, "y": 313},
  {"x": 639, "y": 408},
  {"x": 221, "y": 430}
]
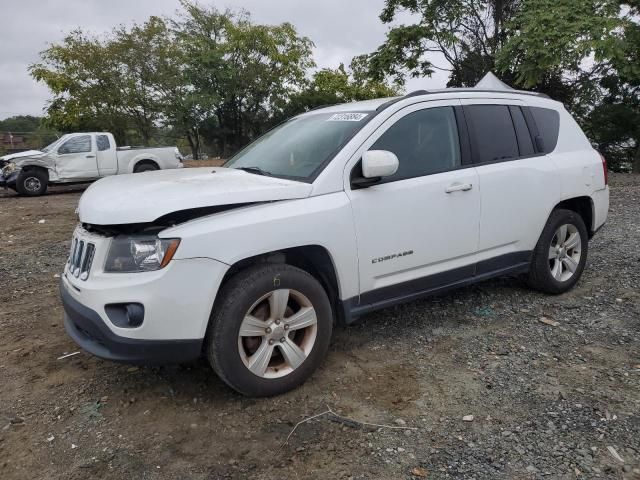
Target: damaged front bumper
[{"x": 8, "y": 181}]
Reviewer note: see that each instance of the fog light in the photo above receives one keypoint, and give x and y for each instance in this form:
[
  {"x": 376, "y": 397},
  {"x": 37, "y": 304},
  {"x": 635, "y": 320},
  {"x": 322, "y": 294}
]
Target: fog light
[{"x": 125, "y": 315}]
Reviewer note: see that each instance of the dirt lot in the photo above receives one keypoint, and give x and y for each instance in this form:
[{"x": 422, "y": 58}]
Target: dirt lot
[{"x": 556, "y": 400}]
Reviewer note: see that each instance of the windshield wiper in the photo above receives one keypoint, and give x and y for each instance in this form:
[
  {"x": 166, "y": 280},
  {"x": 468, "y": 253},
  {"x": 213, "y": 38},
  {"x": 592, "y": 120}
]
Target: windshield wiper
[{"x": 257, "y": 171}]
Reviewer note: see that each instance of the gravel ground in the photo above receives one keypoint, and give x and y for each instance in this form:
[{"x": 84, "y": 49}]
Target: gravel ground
[{"x": 481, "y": 386}]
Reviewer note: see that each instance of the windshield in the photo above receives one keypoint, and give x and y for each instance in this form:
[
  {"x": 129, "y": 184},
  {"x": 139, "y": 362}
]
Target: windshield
[
  {"x": 51, "y": 146},
  {"x": 299, "y": 148}
]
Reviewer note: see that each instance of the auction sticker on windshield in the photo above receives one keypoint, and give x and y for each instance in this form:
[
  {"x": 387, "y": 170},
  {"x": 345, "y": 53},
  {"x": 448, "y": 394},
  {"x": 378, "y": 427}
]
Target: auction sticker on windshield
[{"x": 347, "y": 117}]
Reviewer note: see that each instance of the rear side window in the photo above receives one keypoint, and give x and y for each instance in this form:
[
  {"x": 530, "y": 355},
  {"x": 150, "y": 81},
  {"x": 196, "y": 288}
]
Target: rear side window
[
  {"x": 102, "y": 141},
  {"x": 79, "y": 144},
  {"x": 492, "y": 133},
  {"x": 548, "y": 123},
  {"x": 425, "y": 142}
]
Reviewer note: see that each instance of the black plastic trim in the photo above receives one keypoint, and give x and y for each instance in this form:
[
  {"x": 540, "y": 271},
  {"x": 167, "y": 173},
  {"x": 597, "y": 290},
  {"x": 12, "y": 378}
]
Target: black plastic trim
[
  {"x": 89, "y": 331},
  {"x": 9, "y": 181},
  {"x": 508, "y": 264}
]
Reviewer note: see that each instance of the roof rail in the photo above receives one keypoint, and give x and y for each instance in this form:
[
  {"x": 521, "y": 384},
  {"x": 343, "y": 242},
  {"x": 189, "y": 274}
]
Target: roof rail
[{"x": 396, "y": 100}]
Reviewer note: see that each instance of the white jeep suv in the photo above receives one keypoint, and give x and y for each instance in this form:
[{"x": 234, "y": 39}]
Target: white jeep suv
[{"x": 333, "y": 214}]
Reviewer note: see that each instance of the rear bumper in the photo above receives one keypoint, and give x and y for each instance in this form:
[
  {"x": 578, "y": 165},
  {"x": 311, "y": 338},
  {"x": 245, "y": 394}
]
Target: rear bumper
[{"x": 88, "y": 330}]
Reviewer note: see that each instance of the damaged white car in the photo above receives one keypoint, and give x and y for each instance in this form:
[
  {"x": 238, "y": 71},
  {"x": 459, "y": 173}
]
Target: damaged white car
[
  {"x": 336, "y": 213},
  {"x": 80, "y": 158}
]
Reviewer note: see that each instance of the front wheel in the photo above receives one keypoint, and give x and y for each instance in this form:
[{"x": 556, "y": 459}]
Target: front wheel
[
  {"x": 561, "y": 253},
  {"x": 32, "y": 183},
  {"x": 270, "y": 329}
]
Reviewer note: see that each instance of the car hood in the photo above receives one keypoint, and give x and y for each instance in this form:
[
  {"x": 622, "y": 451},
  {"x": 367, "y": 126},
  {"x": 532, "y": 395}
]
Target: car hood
[
  {"x": 28, "y": 154},
  {"x": 145, "y": 197}
]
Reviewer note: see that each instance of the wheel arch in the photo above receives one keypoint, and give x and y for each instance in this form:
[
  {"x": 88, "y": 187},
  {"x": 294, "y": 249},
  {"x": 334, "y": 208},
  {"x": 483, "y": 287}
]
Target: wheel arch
[
  {"x": 584, "y": 207},
  {"x": 36, "y": 168},
  {"x": 145, "y": 161},
  {"x": 313, "y": 259}
]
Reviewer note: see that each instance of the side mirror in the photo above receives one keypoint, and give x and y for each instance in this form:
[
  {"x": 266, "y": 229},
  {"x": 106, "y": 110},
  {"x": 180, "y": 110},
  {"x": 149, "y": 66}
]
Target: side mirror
[{"x": 378, "y": 164}]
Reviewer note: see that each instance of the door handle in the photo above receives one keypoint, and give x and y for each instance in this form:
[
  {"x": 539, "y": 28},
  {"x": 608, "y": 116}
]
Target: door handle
[
  {"x": 459, "y": 187},
  {"x": 91, "y": 156}
]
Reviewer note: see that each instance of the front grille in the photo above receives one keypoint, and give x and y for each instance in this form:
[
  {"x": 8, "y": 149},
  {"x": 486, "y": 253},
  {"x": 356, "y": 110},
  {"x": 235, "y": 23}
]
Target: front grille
[{"x": 81, "y": 258}]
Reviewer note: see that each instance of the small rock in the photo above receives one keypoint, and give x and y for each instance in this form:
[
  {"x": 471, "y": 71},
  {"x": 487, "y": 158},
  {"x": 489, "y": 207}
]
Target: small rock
[
  {"x": 419, "y": 472},
  {"x": 615, "y": 454},
  {"x": 532, "y": 469},
  {"x": 73, "y": 446},
  {"x": 548, "y": 321},
  {"x": 51, "y": 439},
  {"x": 400, "y": 422},
  {"x": 41, "y": 221},
  {"x": 467, "y": 418}
]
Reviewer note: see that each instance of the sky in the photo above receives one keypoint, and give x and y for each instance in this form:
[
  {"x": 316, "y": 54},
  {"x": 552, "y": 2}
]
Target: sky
[{"x": 340, "y": 30}]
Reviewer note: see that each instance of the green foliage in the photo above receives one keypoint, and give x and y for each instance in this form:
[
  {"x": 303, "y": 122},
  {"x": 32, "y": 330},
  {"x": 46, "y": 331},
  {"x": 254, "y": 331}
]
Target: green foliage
[
  {"x": 330, "y": 87},
  {"x": 240, "y": 72},
  {"x": 585, "y": 53},
  {"x": 207, "y": 77}
]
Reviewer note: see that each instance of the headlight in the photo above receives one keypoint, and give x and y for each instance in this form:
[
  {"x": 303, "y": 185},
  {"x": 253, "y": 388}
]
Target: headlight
[
  {"x": 140, "y": 253},
  {"x": 8, "y": 169}
]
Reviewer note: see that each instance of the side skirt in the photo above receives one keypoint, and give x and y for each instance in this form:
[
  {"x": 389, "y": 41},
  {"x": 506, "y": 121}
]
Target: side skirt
[{"x": 509, "y": 264}]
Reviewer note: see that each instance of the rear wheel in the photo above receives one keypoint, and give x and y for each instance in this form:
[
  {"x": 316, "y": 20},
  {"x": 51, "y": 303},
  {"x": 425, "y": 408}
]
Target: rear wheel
[
  {"x": 561, "y": 253},
  {"x": 270, "y": 330},
  {"x": 32, "y": 183},
  {"x": 145, "y": 167}
]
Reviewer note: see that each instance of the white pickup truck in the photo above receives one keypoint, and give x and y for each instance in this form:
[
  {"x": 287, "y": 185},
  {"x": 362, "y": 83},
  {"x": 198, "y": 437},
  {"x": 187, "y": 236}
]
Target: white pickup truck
[{"x": 79, "y": 158}]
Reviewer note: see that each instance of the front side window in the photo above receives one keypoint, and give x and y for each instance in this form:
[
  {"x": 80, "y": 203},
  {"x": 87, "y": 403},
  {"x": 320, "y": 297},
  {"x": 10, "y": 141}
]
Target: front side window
[
  {"x": 492, "y": 133},
  {"x": 79, "y": 144},
  {"x": 102, "y": 142},
  {"x": 425, "y": 142},
  {"x": 301, "y": 147}
]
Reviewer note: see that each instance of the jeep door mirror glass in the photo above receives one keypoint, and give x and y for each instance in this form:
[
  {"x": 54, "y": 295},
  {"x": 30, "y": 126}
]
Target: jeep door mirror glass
[{"x": 379, "y": 164}]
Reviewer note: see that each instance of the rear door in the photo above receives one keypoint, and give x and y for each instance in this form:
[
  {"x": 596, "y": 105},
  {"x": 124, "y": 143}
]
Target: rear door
[
  {"x": 518, "y": 185},
  {"x": 417, "y": 229},
  {"x": 76, "y": 159},
  {"x": 106, "y": 156}
]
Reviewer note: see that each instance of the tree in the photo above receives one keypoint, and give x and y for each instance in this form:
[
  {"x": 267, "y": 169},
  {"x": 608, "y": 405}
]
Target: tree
[
  {"x": 581, "y": 52},
  {"x": 333, "y": 86},
  {"x": 241, "y": 71},
  {"x": 121, "y": 82},
  {"x": 463, "y": 35}
]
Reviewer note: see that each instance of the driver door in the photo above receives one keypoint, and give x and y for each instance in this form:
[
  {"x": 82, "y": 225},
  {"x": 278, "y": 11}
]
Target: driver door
[
  {"x": 76, "y": 159},
  {"x": 417, "y": 230}
]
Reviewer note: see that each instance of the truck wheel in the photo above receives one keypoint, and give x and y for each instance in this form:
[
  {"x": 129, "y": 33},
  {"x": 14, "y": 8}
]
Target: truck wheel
[
  {"x": 32, "y": 183},
  {"x": 561, "y": 253},
  {"x": 269, "y": 330},
  {"x": 145, "y": 167}
]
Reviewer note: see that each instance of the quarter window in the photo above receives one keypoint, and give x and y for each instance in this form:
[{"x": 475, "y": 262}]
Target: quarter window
[
  {"x": 548, "y": 123},
  {"x": 79, "y": 144},
  {"x": 425, "y": 142},
  {"x": 102, "y": 142},
  {"x": 492, "y": 133}
]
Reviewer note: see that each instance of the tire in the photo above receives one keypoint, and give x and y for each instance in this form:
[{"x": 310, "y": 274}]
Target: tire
[
  {"x": 32, "y": 183},
  {"x": 145, "y": 167},
  {"x": 259, "y": 291},
  {"x": 558, "y": 263}
]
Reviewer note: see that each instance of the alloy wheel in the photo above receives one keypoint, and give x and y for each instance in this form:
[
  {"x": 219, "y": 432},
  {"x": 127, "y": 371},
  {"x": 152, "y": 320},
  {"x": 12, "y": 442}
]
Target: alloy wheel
[
  {"x": 277, "y": 333},
  {"x": 565, "y": 252}
]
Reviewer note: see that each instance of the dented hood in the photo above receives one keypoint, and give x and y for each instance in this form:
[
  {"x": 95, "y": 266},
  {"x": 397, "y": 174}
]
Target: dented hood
[
  {"x": 28, "y": 154},
  {"x": 145, "y": 197}
]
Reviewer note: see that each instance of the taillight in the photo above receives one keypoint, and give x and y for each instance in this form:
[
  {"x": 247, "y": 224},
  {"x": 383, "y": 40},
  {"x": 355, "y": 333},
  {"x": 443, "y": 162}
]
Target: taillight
[{"x": 604, "y": 169}]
